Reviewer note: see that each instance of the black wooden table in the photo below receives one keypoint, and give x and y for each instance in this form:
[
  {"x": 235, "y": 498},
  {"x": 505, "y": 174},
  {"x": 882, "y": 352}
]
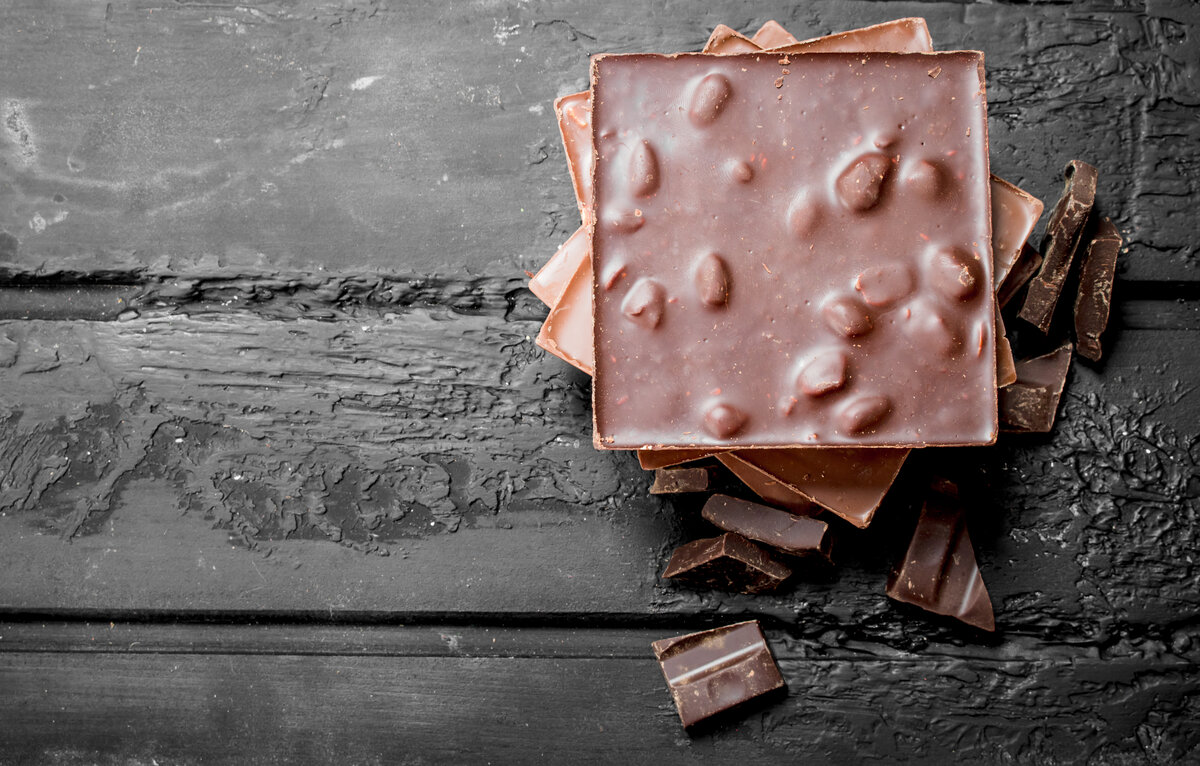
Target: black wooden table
[{"x": 284, "y": 477}]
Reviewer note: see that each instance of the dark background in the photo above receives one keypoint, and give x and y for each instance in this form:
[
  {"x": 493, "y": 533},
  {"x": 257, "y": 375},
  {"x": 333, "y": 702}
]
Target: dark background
[{"x": 283, "y": 475}]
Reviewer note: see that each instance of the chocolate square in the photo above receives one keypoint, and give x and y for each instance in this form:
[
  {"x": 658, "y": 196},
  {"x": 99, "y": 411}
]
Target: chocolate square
[
  {"x": 792, "y": 250},
  {"x": 717, "y": 670}
]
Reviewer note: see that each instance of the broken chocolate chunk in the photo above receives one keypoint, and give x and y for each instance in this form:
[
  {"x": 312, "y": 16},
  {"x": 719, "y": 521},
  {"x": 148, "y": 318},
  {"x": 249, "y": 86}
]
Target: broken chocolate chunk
[
  {"x": 1058, "y": 246},
  {"x": 939, "y": 573},
  {"x": 728, "y": 562},
  {"x": 1023, "y": 269},
  {"x": 716, "y": 670},
  {"x": 1095, "y": 289},
  {"x": 673, "y": 481},
  {"x": 1030, "y": 404},
  {"x": 794, "y": 535}
]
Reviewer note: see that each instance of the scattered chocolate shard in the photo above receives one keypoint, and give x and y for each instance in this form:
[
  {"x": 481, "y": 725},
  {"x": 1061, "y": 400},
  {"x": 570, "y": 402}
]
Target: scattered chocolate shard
[
  {"x": 802, "y": 536},
  {"x": 717, "y": 670},
  {"x": 676, "y": 481},
  {"x": 1022, "y": 270},
  {"x": 728, "y": 562},
  {"x": 1030, "y": 404},
  {"x": 939, "y": 572},
  {"x": 1058, "y": 246},
  {"x": 1095, "y": 289}
]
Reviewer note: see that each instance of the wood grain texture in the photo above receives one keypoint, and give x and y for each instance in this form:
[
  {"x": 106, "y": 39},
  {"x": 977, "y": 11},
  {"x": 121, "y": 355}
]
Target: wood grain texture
[
  {"x": 445, "y": 695},
  {"x": 417, "y": 139},
  {"x": 434, "y": 462}
]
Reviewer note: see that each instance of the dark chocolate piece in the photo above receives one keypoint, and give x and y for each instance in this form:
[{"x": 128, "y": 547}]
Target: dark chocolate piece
[
  {"x": 770, "y": 488},
  {"x": 900, "y": 287},
  {"x": 1026, "y": 265},
  {"x": 673, "y": 481},
  {"x": 786, "y": 532},
  {"x": 1030, "y": 404},
  {"x": 1095, "y": 289},
  {"x": 847, "y": 481},
  {"x": 939, "y": 573},
  {"x": 1058, "y": 246},
  {"x": 728, "y": 562},
  {"x": 716, "y": 670}
]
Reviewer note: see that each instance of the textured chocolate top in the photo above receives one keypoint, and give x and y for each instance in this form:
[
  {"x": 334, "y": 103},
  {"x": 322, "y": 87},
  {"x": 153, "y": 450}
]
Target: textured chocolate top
[{"x": 792, "y": 250}]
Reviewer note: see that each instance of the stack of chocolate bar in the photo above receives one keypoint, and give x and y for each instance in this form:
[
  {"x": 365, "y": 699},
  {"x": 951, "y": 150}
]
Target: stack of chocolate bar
[{"x": 791, "y": 259}]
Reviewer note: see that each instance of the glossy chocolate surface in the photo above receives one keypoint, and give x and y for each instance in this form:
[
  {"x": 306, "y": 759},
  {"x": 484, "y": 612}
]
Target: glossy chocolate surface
[
  {"x": 849, "y": 482},
  {"x": 939, "y": 572},
  {"x": 715, "y": 670},
  {"x": 792, "y": 251},
  {"x": 789, "y": 533}
]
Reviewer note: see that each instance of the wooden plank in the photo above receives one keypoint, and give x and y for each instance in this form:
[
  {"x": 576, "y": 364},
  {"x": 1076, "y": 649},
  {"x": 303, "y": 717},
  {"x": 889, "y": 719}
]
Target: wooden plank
[
  {"x": 236, "y": 464},
  {"x": 316, "y": 141},
  {"x": 565, "y": 697}
]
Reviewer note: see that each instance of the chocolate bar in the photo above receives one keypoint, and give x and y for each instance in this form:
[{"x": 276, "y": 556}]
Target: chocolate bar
[
  {"x": 886, "y": 339},
  {"x": 728, "y": 562},
  {"x": 938, "y": 572},
  {"x": 1026, "y": 265},
  {"x": 1021, "y": 212},
  {"x": 786, "y": 532},
  {"x": 716, "y": 670},
  {"x": 1060, "y": 243},
  {"x": 673, "y": 481},
  {"x": 1095, "y": 289},
  {"x": 1030, "y": 404}
]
